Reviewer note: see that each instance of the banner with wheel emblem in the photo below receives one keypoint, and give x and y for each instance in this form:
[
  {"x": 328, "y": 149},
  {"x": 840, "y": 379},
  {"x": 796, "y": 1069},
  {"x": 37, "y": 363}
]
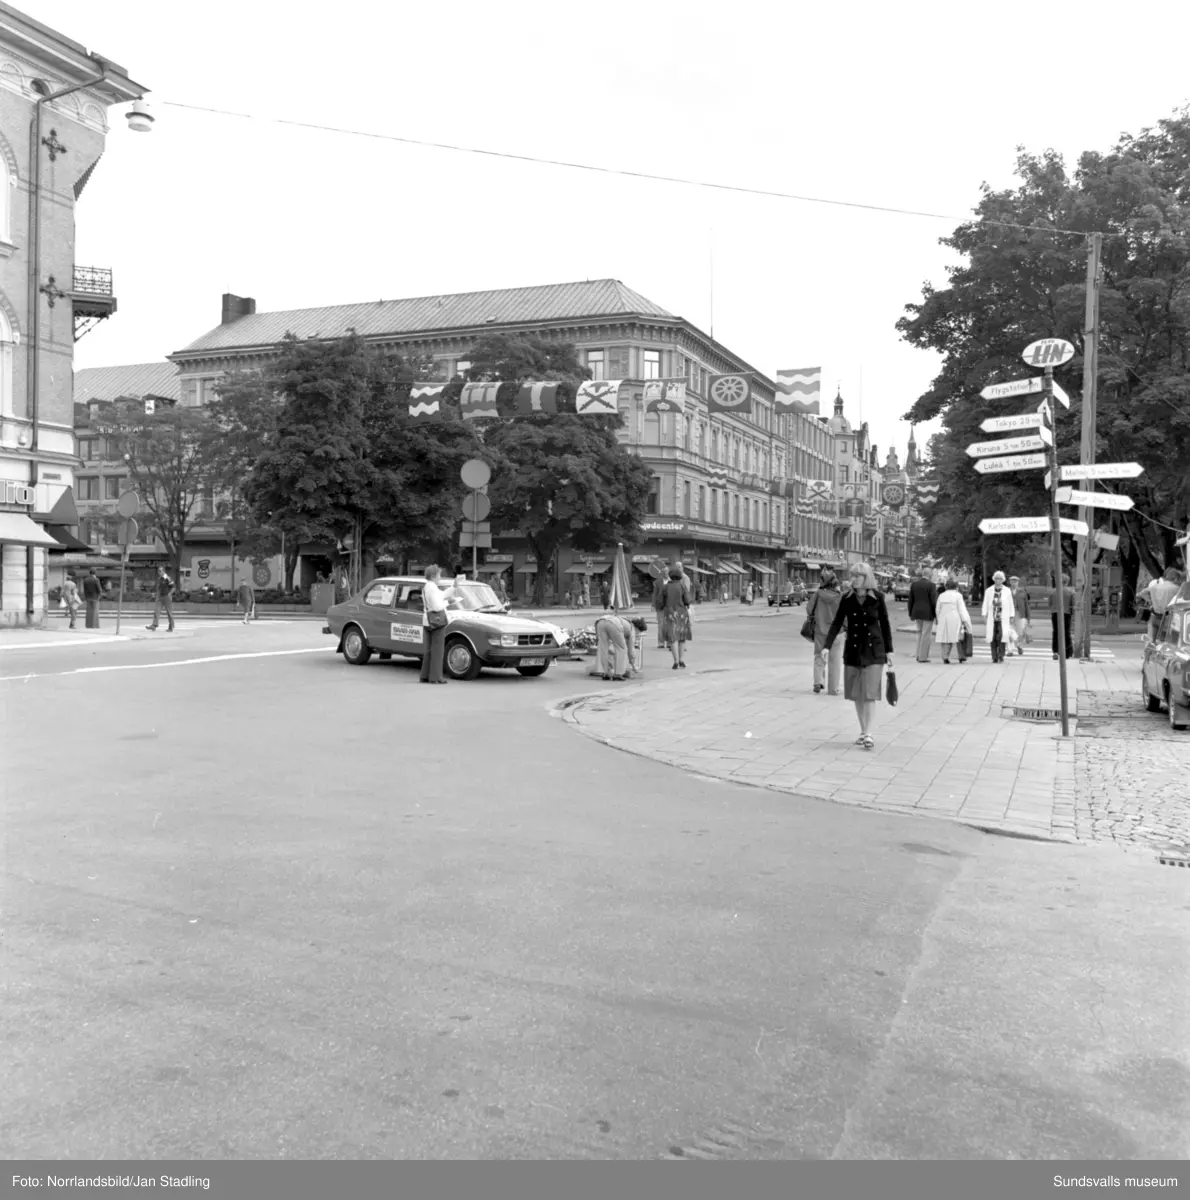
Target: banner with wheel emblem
[{"x": 730, "y": 393}]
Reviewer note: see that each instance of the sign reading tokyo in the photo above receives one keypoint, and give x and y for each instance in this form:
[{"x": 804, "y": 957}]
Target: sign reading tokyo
[{"x": 1048, "y": 352}]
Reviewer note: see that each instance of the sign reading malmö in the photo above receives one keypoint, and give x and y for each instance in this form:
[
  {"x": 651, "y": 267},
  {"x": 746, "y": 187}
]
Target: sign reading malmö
[
  {"x": 1094, "y": 499},
  {"x": 1015, "y": 445},
  {"x": 1030, "y": 525},
  {"x": 1016, "y": 462},
  {"x": 1102, "y": 471}
]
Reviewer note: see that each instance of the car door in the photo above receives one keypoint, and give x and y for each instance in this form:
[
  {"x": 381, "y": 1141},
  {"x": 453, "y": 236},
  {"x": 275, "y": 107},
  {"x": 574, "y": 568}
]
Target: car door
[
  {"x": 375, "y": 606},
  {"x": 405, "y": 629},
  {"x": 1156, "y": 657}
]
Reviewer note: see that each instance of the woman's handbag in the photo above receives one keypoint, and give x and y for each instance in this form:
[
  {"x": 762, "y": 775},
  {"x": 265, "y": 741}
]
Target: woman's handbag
[
  {"x": 436, "y": 617},
  {"x": 966, "y": 646},
  {"x": 807, "y": 630},
  {"x": 890, "y": 686}
]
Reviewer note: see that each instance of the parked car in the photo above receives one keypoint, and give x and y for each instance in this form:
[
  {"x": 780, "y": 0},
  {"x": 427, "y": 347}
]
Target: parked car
[
  {"x": 385, "y": 619},
  {"x": 901, "y": 588},
  {"x": 792, "y": 593},
  {"x": 1165, "y": 668}
]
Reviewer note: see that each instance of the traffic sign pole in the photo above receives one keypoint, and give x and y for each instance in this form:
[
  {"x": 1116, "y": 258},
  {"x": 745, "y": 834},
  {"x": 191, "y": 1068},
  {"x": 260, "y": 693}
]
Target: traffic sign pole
[
  {"x": 1087, "y": 448},
  {"x": 1056, "y": 531}
]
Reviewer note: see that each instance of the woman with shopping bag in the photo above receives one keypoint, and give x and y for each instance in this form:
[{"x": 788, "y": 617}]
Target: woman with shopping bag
[{"x": 953, "y": 623}]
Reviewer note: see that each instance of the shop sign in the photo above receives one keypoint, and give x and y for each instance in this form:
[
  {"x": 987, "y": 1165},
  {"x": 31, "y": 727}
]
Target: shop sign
[
  {"x": 643, "y": 558},
  {"x": 664, "y": 527},
  {"x": 16, "y": 492},
  {"x": 495, "y": 558}
]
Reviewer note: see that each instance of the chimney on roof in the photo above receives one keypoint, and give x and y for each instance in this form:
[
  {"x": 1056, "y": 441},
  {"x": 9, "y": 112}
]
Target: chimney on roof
[{"x": 235, "y": 307}]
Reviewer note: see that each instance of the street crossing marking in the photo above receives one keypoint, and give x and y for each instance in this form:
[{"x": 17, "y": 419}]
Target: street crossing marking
[{"x": 983, "y": 650}]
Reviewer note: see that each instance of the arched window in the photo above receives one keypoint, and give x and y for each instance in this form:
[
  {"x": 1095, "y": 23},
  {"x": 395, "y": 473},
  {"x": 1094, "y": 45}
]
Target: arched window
[{"x": 6, "y": 408}]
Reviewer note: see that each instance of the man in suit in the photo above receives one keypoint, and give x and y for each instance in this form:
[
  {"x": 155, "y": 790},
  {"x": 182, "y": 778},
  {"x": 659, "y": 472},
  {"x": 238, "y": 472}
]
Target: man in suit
[
  {"x": 923, "y": 608},
  {"x": 92, "y": 591}
]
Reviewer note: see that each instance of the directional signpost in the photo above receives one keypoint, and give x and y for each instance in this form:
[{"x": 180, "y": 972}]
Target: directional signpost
[
  {"x": 1023, "y": 387},
  {"x": 1016, "y": 462},
  {"x": 1068, "y": 495},
  {"x": 476, "y": 474},
  {"x": 1030, "y": 525},
  {"x": 1103, "y": 471},
  {"x": 1007, "y": 424},
  {"x": 1016, "y": 445}
]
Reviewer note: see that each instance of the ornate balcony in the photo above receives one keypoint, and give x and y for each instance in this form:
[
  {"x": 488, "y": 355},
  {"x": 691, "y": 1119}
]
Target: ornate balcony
[{"x": 91, "y": 297}]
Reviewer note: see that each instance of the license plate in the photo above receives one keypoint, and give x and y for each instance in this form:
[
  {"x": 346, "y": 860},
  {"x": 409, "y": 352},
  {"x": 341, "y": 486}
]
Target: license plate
[{"x": 531, "y": 662}]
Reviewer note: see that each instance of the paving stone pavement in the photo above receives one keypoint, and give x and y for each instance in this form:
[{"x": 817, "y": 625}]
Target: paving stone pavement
[{"x": 951, "y": 748}]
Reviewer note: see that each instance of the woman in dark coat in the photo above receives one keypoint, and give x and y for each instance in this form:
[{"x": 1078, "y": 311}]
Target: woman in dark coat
[
  {"x": 675, "y": 614},
  {"x": 869, "y": 646}
]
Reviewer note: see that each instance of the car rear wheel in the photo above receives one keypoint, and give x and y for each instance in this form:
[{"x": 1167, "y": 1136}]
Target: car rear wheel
[
  {"x": 1177, "y": 716},
  {"x": 533, "y": 672},
  {"x": 355, "y": 646},
  {"x": 460, "y": 660}
]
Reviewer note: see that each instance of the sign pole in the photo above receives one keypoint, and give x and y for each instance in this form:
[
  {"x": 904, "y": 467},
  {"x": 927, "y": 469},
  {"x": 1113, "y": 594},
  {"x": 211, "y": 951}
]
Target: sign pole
[
  {"x": 1056, "y": 527},
  {"x": 1089, "y": 417},
  {"x": 120, "y": 601},
  {"x": 475, "y": 534}
]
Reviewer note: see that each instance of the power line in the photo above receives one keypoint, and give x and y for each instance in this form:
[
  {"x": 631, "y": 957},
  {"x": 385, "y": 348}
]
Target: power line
[{"x": 577, "y": 166}]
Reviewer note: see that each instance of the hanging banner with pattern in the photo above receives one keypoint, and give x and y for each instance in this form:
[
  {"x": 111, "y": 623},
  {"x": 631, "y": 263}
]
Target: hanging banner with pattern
[
  {"x": 730, "y": 393},
  {"x": 425, "y": 402},
  {"x": 598, "y": 397},
  {"x": 537, "y": 398},
  {"x": 665, "y": 395},
  {"x": 479, "y": 400}
]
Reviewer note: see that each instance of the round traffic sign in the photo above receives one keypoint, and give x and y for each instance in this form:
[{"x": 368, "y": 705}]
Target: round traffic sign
[
  {"x": 128, "y": 532},
  {"x": 129, "y": 504},
  {"x": 1048, "y": 352},
  {"x": 476, "y": 506},
  {"x": 476, "y": 473}
]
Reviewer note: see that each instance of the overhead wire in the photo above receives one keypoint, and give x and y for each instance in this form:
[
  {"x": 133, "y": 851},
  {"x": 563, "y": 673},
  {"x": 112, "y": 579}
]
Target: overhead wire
[{"x": 645, "y": 175}]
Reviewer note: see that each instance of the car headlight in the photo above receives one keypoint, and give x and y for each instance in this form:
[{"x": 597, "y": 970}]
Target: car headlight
[{"x": 508, "y": 639}]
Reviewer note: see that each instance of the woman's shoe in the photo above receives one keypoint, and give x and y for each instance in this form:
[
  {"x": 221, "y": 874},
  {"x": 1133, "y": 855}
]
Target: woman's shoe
[
  {"x": 606, "y": 678},
  {"x": 859, "y": 741},
  {"x": 946, "y": 661},
  {"x": 868, "y": 742},
  {"x": 818, "y": 687},
  {"x": 675, "y": 666},
  {"x": 682, "y": 665}
]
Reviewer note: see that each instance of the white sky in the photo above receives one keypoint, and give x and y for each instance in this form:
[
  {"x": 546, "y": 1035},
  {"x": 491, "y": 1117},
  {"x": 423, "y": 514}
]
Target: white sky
[{"x": 911, "y": 106}]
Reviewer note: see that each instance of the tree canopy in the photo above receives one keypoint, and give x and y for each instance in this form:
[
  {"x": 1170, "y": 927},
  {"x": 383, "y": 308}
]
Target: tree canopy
[
  {"x": 559, "y": 479},
  {"x": 1022, "y": 278}
]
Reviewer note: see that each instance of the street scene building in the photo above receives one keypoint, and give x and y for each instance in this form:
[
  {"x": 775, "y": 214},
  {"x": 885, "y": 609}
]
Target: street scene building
[
  {"x": 725, "y": 485},
  {"x": 54, "y": 97}
]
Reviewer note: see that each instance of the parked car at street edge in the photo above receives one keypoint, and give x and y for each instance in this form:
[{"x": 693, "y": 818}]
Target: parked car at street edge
[
  {"x": 792, "y": 593},
  {"x": 385, "y": 619},
  {"x": 901, "y": 588},
  {"x": 1165, "y": 668}
]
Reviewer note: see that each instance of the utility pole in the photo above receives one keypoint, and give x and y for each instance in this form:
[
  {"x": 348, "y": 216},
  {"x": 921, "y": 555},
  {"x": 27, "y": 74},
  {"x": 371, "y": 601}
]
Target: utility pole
[
  {"x": 1056, "y": 533},
  {"x": 1087, "y": 451}
]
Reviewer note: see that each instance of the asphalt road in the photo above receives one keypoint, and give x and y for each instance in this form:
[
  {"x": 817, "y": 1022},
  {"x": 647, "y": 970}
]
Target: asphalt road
[{"x": 277, "y": 906}]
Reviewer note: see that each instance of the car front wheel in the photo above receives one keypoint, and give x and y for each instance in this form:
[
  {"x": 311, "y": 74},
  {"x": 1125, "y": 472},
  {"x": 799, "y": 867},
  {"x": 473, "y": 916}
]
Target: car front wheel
[
  {"x": 355, "y": 646},
  {"x": 533, "y": 672},
  {"x": 1152, "y": 703},
  {"x": 460, "y": 660}
]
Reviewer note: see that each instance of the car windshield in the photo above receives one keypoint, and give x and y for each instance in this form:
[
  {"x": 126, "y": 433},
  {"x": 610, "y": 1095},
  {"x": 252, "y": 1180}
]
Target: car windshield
[{"x": 472, "y": 597}]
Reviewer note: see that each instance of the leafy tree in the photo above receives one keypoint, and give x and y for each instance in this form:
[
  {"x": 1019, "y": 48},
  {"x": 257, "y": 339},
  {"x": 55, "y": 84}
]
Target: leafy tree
[
  {"x": 166, "y": 455},
  {"x": 1023, "y": 278},
  {"x": 559, "y": 479}
]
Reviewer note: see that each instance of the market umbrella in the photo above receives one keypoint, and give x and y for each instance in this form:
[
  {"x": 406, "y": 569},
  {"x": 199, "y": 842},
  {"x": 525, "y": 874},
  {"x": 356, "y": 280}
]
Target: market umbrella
[{"x": 621, "y": 589}]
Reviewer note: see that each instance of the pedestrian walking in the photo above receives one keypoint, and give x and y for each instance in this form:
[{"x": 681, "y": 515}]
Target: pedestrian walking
[
  {"x": 923, "y": 608},
  {"x": 586, "y": 597},
  {"x": 92, "y": 592},
  {"x": 1157, "y": 596},
  {"x": 1023, "y": 618},
  {"x": 1067, "y": 611},
  {"x": 605, "y": 594},
  {"x": 828, "y": 665},
  {"x": 998, "y": 611},
  {"x": 70, "y": 598},
  {"x": 749, "y": 593},
  {"x": 498, "y": 587},
  {"x": 163, "y": 593},
  {"x": 615, "y": 638},
  {"x": 869, "y": 646},
  {"x": 675, "y": 615},
  {"x": 433, "y": 627},
  {"x": 246, "y": 594},
  {"x": 953, "y": 622},
  {"x": 723, "y": 594}
]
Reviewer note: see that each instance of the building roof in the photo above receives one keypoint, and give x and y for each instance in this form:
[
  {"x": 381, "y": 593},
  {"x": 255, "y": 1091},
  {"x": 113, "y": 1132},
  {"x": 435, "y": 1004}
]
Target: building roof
[
  {"x": 134, "y": 380},
  {"x": 426, "y": 314}
]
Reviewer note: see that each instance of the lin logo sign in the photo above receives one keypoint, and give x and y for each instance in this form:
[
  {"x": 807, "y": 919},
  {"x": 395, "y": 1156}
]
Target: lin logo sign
[{"x": 1048, "y": 352}]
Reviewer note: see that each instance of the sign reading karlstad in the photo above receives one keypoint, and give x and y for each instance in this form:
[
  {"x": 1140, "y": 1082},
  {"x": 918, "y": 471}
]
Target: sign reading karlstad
[{"x": 1030, "y": 525}]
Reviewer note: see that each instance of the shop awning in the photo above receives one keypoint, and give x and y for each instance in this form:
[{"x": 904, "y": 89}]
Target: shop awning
[
  {"x": 67, "y": 539},
  {"x": 527, "y": 569},
  {"x": 762, "y": 569},
  {"x": 730, "y": 569},
  {"x": 696, "y": 570},
  {"x": 493, "y": 568},
  {"x": 19, "y": 530},
  {"x": 592, "y": 569}
]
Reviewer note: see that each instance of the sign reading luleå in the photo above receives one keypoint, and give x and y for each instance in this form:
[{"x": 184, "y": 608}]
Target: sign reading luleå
[
  {"x": 1094, "y": 499},
  {"x": 1030, "y": 525},
  {"x": 1014, "y": 445},
  {"x": 1015, "y": 462}
]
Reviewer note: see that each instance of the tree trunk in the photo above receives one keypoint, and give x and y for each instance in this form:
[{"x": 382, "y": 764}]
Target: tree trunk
[{"x": 290, "y": 565}]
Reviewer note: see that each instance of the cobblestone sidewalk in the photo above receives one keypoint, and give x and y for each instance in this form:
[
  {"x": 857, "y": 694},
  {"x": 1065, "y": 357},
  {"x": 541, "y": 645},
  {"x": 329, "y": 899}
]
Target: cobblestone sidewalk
[{"x": 951, "y": 748}]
